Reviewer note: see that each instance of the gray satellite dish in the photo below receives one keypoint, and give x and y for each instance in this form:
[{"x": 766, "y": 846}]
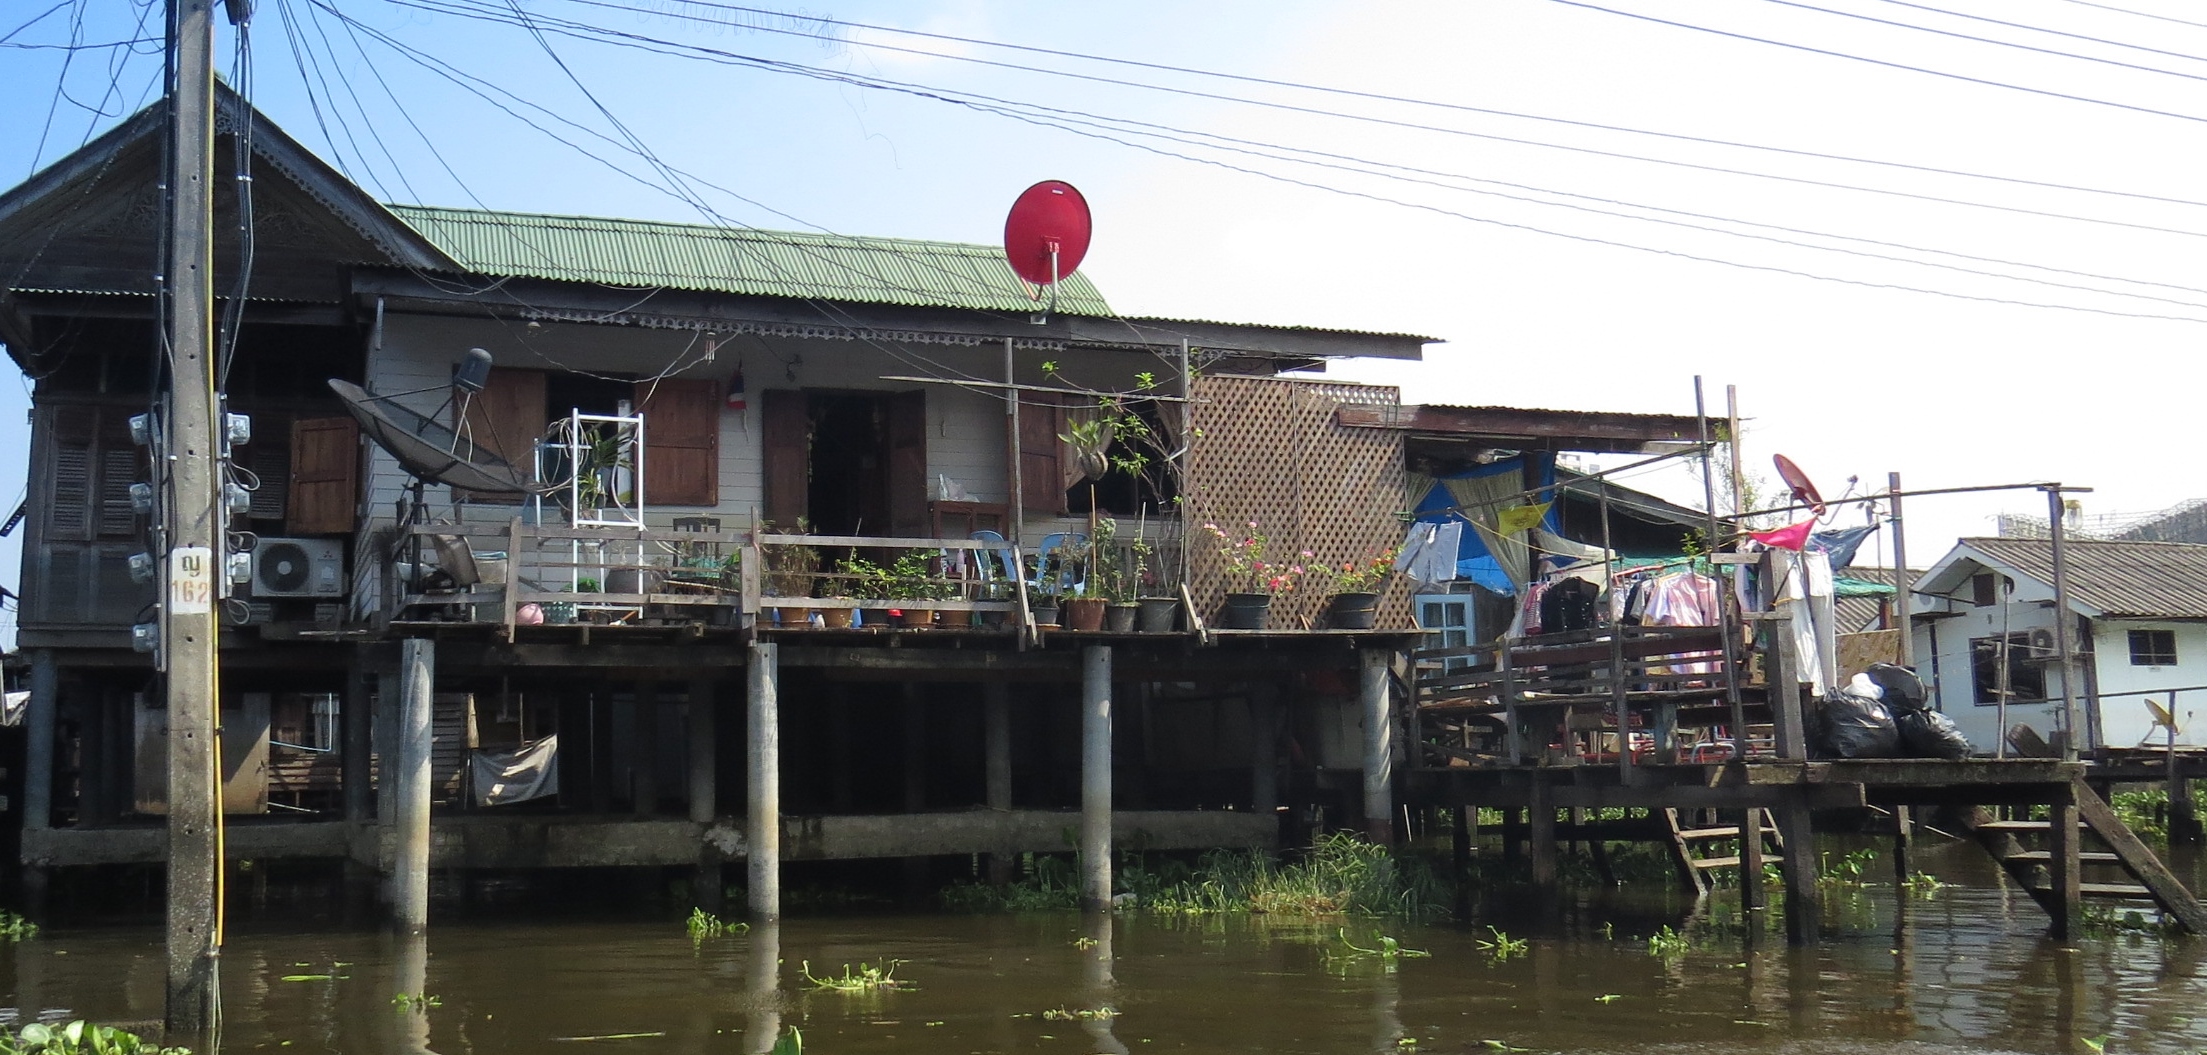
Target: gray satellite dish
[{"x": 427, "y": 448}]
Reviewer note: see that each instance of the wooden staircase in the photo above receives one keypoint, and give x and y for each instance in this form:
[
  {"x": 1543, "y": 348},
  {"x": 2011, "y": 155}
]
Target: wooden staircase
[
  {"x": 2028, "y": 850},
  {"x": 1686, "y": 840}
]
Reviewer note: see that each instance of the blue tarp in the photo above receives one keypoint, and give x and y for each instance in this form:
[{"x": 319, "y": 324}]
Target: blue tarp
[{"x": 1473, "y": 562}]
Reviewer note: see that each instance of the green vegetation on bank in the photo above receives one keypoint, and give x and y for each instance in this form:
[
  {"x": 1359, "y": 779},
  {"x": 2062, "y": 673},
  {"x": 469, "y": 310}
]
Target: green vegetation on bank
[{"x": 1339, "y": 875}]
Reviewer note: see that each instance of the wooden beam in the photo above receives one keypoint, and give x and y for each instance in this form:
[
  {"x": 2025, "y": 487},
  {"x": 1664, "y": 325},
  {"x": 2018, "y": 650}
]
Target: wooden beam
[
  {"x": 1564, "y": 429},
  {"x": 2140, "y": 861}
]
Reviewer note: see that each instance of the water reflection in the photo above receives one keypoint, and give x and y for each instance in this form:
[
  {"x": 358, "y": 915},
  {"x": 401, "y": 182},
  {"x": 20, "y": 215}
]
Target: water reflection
[
  {"x": 1965, "y": 971},
  {"x": 1097, "y": 985},
  {"x": 762, "y": 988}
]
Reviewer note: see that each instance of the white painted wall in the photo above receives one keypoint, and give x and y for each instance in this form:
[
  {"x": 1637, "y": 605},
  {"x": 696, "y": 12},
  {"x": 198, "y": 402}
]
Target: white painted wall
[
  {"x": 1943, "y": 659},
  {"x": 2124, "y": 720},
  {"x": 1942, "y": 645}
]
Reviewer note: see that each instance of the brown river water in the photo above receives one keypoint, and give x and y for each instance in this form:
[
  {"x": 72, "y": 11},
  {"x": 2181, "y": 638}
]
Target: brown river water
[{"x": 1966, "y": 970}]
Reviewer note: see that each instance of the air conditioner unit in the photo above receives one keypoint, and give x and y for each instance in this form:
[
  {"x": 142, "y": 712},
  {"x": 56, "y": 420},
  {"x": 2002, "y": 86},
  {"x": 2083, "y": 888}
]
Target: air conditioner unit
[
  {"x": 2043, "y": 645},
  {"x": 299, "y": 567}
]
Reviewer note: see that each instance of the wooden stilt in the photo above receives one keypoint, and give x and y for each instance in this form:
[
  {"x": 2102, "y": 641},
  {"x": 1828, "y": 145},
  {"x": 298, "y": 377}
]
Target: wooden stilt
[
  {"x": 1754, "y": 898},
  {"x": 1904, "y": 846},
  {"x": 2065, "y": 871},
  {"x": 1803, "y": 912},
  {"x": 1541, "y": 818}
]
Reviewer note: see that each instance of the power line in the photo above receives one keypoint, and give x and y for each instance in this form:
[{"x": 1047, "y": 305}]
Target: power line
[
  {"x": 2140, "y": 14},
  {"x": 1986, "y": 40},
  {"x": 1883, "y": 62},
  {"x": 587, "y": 31},
  {"x": 2043, "y": 29},
  {"x": 1303, "y": 86}
]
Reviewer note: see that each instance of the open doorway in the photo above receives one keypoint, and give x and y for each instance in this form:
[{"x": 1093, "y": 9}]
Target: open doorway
[{"x": 846, "y": 463}]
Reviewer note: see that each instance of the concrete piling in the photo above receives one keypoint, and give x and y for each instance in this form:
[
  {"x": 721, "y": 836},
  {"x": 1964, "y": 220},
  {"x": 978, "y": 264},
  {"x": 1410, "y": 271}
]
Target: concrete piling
[
  {"x": 762, "y": 727},
  {"x": 1095, "y": 828},
  {"x": 411, "y": 780},
  {"x": 1379, "y": 745},
  {"x": 996, "y": 750}
]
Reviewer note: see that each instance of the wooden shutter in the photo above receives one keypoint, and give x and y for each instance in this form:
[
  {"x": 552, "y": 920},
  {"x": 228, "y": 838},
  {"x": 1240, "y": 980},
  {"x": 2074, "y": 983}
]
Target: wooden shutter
[
  {"x": 908, "y": 465},
  {"x": 325, "y": 482},
  {"x": 786, "y": 448},
  {"x": 1043, "y": 459},
  {"x": 72, "y": 435},
  {"x": 506, "y": 418},
  {"x": 681, "y": 442}
]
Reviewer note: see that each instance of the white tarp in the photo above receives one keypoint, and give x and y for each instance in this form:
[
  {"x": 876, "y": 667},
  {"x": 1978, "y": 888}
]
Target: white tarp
[{"x": 502, "y": 777}]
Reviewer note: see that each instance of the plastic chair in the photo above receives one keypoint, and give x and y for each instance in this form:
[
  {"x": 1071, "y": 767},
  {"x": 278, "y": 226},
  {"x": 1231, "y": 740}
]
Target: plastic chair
[
  {"x": 1070, "y": 576},
  {"x": 985, "y": 571}
]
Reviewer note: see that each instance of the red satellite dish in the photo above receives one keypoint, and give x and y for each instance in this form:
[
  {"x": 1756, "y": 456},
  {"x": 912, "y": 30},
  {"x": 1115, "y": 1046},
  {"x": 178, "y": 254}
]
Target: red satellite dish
[
  {"x": 1804, "y": 492},
  {"x": 1046, "y": 234}
]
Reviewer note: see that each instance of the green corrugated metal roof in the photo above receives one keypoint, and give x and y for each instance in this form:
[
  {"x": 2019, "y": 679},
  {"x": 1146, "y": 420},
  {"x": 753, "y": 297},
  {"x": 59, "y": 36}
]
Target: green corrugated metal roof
[{"x": 737, "y": 260}]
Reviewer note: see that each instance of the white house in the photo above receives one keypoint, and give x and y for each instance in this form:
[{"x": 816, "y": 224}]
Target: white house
[{"x": 1984, "y": 618}]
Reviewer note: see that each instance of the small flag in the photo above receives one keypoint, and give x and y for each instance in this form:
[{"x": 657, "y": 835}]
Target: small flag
[
  {"x": 1520, "y": 518},
  {"x": 736, "y": 400},
  {"x": 1792, "y": 536}
]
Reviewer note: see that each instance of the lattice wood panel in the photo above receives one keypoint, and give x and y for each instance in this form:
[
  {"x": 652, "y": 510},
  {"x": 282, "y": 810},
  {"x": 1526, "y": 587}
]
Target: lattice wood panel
[{"x": 1268, "y": 450}]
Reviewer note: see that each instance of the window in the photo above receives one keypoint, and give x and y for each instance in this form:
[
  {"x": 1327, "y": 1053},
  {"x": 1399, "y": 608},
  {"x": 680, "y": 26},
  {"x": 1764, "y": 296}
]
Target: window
[
  {"x": 2153, "y": 648},
  {"x": 1983, "y": 591},
  {"x": 2025, "y": 679},
  {"x": 1446, "y": 618}
]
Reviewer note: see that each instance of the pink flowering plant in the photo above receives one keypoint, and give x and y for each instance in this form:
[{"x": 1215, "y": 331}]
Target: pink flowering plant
[
  {"x": 1247, "y": 567},
  {"x": 1351, "y": 576}
]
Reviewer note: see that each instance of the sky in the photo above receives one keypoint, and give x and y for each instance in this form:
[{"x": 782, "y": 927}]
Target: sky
[{"x": 1955, "y": 239}]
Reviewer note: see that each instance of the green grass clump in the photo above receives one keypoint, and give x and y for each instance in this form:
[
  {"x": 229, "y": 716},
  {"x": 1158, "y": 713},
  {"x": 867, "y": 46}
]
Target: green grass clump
[
  {"x": 14, "y": 927},
  {"x": 79, "y": 1038},
  {"x": 1339, "y": 875}
]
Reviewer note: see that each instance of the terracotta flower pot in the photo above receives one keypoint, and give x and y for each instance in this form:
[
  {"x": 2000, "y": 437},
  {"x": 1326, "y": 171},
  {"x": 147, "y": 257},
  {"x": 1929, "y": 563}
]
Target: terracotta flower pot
[
  {"x": 835, "y": 618},
  {"x": 1082, "y": 613},
  {"x": 915, "y": 617}
]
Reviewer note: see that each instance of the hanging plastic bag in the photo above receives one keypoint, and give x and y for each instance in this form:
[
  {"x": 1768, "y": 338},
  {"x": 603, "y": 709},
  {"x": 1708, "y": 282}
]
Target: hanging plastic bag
[
  {"x": 1852, "y": 726},
  {"x": 1929, "y": 734}
]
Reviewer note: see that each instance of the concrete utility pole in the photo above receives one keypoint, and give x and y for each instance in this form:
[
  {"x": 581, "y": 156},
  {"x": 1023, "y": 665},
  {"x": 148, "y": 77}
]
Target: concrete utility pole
[{"x": 186, "y": 449}]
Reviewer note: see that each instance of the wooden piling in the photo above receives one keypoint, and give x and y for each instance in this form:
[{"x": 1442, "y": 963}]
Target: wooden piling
[
  {"x": 1541, "y": 817},
  {"x": 762, "y": 726},
  {"x": 356, "y": 755},
  {"x": 1803, "y": 910},
  {"x": 1754, "y": 899},
  {"x": 1904, "y": 847},
  {"x": 1095, "y": 828},
  {"x": 1264, "y": 750},
  {"x": 1379, "y": 745},
  {"x": 2065, "y": 871},
  {"x": 704, "y": 774},
  {"x": 996, "y": 750},
  {"x": 411, "y": 778}
]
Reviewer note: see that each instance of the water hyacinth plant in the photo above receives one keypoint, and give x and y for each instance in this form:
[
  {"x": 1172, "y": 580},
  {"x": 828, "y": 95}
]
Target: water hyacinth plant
[
  {"x": 868, "y": 978},
  {"x": 80, "y": 1038}
]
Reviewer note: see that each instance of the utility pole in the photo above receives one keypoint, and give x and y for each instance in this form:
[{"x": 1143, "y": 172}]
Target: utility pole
[
  {"x": 185, "y": 453},
  {"x": 2065, "y": 624}
]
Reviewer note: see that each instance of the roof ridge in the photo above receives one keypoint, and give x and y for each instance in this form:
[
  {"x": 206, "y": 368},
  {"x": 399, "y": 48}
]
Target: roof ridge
[
  {"x": 2074, "y": 540},
  {"x": 683, "y": 225}
]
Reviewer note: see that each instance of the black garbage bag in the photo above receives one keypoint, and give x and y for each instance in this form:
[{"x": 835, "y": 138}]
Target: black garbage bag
[
  {"x": 1903, "y": 689},
  {"x": 1851, "y": 726},
  {"x": 1929, "y": 734}
]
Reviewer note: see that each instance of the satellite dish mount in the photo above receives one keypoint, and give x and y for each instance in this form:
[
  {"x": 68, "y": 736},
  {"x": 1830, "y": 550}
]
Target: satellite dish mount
[{"x": 1046, "y": 238}]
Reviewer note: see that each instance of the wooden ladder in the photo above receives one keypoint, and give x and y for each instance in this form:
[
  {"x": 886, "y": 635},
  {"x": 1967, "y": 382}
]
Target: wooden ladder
[
  {"x": 1694, "y": 868},
  {"x": 2024, "y": 851}
]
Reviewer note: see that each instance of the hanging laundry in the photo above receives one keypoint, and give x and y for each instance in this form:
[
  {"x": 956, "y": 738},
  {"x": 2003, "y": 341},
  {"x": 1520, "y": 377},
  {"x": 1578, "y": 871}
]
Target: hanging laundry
[
  {"x": 1792, "y": 536},
  {"x": 1520, "y": 518},
  {"x": 1840, "y": 546},
  {"x": 1429, "y": 551},
  {"x": 1568, "y": 604}
]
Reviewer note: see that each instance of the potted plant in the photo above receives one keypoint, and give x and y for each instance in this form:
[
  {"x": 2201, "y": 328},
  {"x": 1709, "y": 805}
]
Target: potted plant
[
  {"x": 855, "y": 577},
  {"x": 1113, "y": 580},
  {"x": 912, "y": 578},
  {"x": 1251, "y": 579},
  {"x": 1155, "y": 607},
  {"x": 1352, "y": 588},
  {"x": 789, "y": 572}
]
